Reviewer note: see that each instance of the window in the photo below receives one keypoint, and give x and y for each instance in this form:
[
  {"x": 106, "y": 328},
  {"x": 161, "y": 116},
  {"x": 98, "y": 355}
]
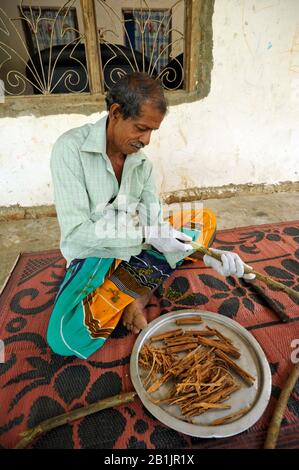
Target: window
[
  {"x": 147, "y": 39},
  {"x": 55, "y": 26},
  {"x": 149, "y": 32},
  {"x": 84, "y": 46},
  {"x": 38, "y": 45}
]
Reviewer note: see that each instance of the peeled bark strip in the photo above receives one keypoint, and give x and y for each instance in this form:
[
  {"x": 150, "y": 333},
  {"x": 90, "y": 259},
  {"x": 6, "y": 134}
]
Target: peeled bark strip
[
  {"x": 188, "y": 320},
  {"x": 229, "y": 418},
  {"x": 249, "y": 379},
  {"x": 169, "y": 334},
  {"x": 225, "y": 347},
  {"x": 201, "y": 380},
  {"x": 182, "y": 347}
]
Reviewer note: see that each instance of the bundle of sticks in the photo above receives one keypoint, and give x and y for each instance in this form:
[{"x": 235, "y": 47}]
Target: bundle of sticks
[{"x": 199, "y": 365}]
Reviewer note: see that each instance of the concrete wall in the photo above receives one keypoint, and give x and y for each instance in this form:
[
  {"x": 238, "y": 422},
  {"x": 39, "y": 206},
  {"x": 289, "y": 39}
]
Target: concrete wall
[{"x": 245, "y": 131}]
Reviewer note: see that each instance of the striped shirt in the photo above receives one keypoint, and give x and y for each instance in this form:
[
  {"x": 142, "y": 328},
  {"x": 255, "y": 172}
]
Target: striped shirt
[{"x": 85, "y": 187}]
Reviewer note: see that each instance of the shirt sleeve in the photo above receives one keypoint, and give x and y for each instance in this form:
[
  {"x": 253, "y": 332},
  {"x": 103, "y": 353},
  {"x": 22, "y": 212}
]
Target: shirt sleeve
[
  {"x": 150, "y": 207},
  {"x": 85, "y": 236},
  {"x": 151, "y": 213}
]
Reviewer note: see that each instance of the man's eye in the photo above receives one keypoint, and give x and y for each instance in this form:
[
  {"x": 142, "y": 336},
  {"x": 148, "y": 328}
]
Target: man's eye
[{"x": 140, "y": 129}]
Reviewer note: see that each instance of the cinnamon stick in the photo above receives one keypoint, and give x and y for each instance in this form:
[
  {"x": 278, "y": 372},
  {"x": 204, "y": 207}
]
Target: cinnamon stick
[
  {"x": 168, "y": 334},
  {"x": 241, "y": 372},
  {"x": 188, "y": 320},
  {"x": 229, "y": 349},
  {"x": 229, "y": 418}
]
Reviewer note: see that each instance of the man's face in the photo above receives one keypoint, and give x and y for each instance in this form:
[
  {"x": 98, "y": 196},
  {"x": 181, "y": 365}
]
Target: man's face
[{"x": 132, "y": 134}]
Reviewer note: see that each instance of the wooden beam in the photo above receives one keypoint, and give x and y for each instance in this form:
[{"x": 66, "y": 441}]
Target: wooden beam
[
  {"x": 192, "y": 43},
  {"x": 94, "y": 63}
]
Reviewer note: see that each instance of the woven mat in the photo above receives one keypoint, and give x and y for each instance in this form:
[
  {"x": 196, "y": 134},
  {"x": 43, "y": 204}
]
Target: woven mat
[{"x": 36, "y": 384}]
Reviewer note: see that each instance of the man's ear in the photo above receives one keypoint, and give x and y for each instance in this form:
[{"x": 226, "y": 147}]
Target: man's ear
[{"x": 114, "y": 112}]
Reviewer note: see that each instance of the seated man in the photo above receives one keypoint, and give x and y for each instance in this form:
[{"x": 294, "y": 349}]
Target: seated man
[{"x": 116, "y": 243}]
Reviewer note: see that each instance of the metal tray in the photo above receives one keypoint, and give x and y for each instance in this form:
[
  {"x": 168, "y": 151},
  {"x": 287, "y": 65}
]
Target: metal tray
[{"x": 252, "y": 359}]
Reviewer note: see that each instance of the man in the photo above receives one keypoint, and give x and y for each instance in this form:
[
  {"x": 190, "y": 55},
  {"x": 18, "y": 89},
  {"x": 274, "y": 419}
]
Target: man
[{"x": 117, "y": 246}]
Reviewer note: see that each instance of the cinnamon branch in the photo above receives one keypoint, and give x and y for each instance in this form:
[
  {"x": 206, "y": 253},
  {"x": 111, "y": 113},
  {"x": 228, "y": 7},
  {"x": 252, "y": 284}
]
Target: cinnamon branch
[
  {"x": 266, "y": 279},
  {"x": 274, "y": 427},
  {"x": 31, "y": 434}
]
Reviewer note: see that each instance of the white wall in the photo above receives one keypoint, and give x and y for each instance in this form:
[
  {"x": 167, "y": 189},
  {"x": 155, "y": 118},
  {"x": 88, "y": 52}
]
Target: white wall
[{"x": 245, "y": 131}]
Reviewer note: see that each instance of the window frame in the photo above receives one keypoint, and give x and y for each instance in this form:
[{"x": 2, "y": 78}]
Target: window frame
[{"x": 94, "y": 101}]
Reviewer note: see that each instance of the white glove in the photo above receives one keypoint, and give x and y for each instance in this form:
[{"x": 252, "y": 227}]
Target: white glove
[
  {"x": 166, "y": 239},
  {"x": 230, "y": 264}
]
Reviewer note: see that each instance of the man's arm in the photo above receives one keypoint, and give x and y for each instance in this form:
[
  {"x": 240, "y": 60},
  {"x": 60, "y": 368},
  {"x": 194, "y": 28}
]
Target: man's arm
[
  {"x": 150, "y": 207},
  {"x": 72, "y": 206},
  {"x": 151, "y": 214}
]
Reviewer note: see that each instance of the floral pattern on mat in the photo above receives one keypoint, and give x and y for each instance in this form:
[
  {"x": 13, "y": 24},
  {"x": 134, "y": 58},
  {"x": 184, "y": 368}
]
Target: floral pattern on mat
[{"x": 36, "y": 384}]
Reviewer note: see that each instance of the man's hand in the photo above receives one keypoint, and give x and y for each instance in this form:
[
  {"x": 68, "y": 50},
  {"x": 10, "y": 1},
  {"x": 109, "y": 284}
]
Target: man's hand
[
  {"x": 170, "y": 240},
  {"x": 230, "y": 264}
]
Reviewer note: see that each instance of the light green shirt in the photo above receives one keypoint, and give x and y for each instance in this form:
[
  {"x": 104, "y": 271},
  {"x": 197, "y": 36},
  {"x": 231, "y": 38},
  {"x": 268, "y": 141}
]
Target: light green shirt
[{"x": 84, "y": 182}]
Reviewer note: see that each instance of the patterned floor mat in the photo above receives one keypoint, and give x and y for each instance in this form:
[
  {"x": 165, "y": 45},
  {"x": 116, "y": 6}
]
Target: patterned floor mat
[{"x": 36, "y": 384}]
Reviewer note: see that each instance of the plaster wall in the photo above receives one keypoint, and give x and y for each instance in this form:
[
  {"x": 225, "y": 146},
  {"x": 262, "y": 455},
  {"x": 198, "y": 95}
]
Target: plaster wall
[{"x": 245, "y": 131}]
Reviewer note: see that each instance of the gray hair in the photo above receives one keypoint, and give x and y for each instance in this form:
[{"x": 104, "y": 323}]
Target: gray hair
[{"x": 134, "y": 90}]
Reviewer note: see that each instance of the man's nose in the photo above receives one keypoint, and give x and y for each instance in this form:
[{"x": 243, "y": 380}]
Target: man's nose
[{"x": 145, "y": 138}]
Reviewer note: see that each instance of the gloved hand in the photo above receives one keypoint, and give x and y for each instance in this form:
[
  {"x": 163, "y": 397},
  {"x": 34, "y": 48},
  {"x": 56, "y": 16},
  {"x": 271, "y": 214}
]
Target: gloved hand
[
  {"x": 170, "y": 240},
  {"x": 230, "y": 264}
]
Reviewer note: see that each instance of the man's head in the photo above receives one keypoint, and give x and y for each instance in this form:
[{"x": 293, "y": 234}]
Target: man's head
[{"x": 136, "y": 106}]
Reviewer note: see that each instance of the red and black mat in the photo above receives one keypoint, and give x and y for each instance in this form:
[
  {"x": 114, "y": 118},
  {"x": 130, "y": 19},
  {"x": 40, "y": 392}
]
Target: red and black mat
[{"x": 36, "y": 384}]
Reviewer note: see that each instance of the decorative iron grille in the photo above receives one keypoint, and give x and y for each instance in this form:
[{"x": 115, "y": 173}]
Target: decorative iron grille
[
  {"x": 42, "y": 51},
  {"x": 45, "y": 51},
  {"x": 143, "y": 39}
]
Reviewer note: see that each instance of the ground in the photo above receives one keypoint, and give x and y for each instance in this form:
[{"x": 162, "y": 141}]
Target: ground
[{"x": 43, "y": 234}]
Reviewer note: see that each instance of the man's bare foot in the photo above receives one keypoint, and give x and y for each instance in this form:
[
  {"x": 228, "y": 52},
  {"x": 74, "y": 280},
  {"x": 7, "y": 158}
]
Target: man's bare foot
[{"x": 133, "y": 316}]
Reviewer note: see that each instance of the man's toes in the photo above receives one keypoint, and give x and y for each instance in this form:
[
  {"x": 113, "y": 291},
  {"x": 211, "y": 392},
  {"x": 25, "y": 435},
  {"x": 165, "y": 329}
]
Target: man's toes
[
  {"x": 128, "y": 325},
  {"x": 128, "y": 316},
  {"x": 140, "y": 322},
  {"x": 135, "y": 330}
]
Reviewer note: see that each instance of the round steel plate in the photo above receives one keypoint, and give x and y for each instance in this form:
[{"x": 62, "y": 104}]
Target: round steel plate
[{"x": 252, "y": 359}]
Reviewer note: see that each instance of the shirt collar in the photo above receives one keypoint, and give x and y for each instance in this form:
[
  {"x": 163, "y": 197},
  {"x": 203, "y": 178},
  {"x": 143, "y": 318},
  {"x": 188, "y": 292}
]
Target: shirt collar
[{"x": 95, "y": 142}]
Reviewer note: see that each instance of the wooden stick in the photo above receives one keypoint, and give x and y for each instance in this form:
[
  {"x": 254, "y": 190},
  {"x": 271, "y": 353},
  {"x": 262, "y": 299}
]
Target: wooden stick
[
  {"x": 230, "y": 418},
  {"x": 169, "y": 334},
  {"x": 274, "y": 427},
  {"x": 225, "y": 347},
  {"x": 188, "y": 320},
  {"x": 220, "y": 335},
  {"x": 182, "y": 347},
  {"x": 249, "y": 379},
  {"x": 31, "y": 434},
  {"x": 206, "y": 332},
  {"x": 266, "y": 279},
  {"x": 184, "y": 340}
]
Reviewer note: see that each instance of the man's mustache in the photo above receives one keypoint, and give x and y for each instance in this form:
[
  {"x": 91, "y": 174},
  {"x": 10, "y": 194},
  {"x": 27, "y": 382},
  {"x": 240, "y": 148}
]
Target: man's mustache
[{"x": 139, "y": 145}]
